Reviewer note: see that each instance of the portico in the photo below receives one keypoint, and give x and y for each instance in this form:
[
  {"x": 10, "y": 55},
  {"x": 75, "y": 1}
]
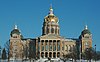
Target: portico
[{"x": 49, "y": 48}]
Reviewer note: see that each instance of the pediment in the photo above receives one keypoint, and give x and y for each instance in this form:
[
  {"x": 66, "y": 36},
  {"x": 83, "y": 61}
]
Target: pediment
[{"x": 50, "y": 36}]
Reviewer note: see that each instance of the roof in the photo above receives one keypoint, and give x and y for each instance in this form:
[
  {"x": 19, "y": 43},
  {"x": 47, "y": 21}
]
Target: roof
[
  {"x": 85, "y": 31},
  {"x": 71, "y": 39},
  {"x": 51, "y": 36},
  {"x": 15, "y": 31}
]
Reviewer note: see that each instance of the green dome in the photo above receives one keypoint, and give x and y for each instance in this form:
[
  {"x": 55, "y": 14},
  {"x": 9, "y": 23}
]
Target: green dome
[
  {"x": 85, "y": 31},
  {"x": 15, "y": 31}
]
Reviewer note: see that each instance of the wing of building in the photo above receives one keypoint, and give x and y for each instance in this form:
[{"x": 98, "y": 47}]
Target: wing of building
[{"x": 50, "y": 44}]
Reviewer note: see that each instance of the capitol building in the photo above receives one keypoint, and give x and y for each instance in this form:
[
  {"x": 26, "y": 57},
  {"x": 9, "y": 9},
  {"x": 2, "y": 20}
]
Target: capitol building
[{"x": 50, "y": 44}]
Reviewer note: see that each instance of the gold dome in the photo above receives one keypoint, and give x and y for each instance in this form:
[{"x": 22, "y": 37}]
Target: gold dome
[{"x": 51, "y": 17}]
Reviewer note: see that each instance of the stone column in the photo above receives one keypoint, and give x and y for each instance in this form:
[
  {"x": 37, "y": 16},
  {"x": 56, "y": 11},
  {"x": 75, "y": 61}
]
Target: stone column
[
  {"x": 52, "y": 45},
  {"x": 48, "y": 54},
  {"x": 50, "y": 29},
  {"x": 61, "y": 45},
  {"x": 56, "y": 48},
  {"x": 56, "y": 45},
  {"x": 48, "y": 48},
  {"x": 52, "y": 48},
  {"x": 64, "y": 45},
  {"x": 44, "y": 54},
  {"x": 52, "y": 54},
  {"x": 40, "y": 54},
  {"x": 40, "y": 48},
  {"x": 56, "y": 54},
  {"x": 44, "y": 48},
  {"x": 44, "y": 45},
  {"x": 37, "y": 45},
  {"x": 45, "y": 31},
  {"x": 40, "y": 45},
  {"x": 57, "y": 30},
  {"x": 48, "y": 45},
  {"x": 54, "y": 30}
]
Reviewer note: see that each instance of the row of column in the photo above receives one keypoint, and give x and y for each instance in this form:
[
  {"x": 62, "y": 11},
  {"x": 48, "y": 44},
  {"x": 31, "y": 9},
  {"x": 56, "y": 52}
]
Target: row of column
[
  {"x": 47, "y": 44},
  {"x": 51, "y": 29},
  {"x": 49, "y": 54},
  {"x": 69, "y": 48}
]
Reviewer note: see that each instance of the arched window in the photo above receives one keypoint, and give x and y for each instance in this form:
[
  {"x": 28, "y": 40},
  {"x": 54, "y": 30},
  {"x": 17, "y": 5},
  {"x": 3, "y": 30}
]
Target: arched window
[
  {"x": 58, "y": 45},
  {"x": 52, "y": 30},
  {"x": 58, "y": 54},
  {"x": 50, "y": 54},
  {"x": 54, "y": 46},
  {"x": 42, "y": 54},
  {"x": 54, "y": 55},
  {"x": 69, "y": 48},
  {"x": 86, "y": 44},
  {"x": 46, "y": 54},
  {"x": 47, "y": 30},
  {"x": 46, "y": 47},
  {"x": 50, "y": 46},
  {"x": 66, "y": 48},
  {"x": 42, "y": 46},
  {"x": 56, "y": 31}
]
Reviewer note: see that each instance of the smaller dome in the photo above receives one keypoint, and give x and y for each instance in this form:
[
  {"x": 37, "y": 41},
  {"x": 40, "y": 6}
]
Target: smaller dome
[
  {"x": 15, "y": 31},
  {"x": 85, "y": 31}
]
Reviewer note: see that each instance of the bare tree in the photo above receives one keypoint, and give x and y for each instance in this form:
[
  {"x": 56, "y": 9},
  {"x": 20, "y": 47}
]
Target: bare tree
[
  {"x": 72, "y": 55},
  {"x": 97, "y": 55},
  {"x": 25, "y": 52},
  {"x": 89, "y": 54},
  {"x": 4, "y": 54},
  {"x": 32, "y": 50},
  {"x": 7, "y": 47}
]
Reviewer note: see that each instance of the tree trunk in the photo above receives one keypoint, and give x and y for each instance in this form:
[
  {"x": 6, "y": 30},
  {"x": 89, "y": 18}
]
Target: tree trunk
[
  {"x": 30, "y": 60},
  {"x": 90, "y": 60}
]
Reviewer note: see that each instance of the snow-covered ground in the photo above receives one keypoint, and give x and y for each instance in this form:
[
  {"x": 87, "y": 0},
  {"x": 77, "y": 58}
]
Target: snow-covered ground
[{"x": 41, "y": 61}]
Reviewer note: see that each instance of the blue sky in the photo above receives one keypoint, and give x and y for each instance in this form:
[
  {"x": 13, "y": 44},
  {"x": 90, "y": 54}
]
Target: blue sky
[{"x": 29, "y": 14}]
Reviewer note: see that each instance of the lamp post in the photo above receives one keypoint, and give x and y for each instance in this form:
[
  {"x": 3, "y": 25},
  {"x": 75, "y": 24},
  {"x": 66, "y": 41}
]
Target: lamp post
[{"x": 95, "y": 52}]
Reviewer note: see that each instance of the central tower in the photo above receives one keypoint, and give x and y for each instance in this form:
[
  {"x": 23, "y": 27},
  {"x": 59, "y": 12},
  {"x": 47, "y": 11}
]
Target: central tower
[{"x": 50, "y": 24}]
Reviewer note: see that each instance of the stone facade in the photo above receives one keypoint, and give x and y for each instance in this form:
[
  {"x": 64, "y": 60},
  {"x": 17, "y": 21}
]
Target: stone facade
[
  {"x": 69, "y": 45},
  {"x": 15, "y": 44},
  {"x": 85, "y": 39},
  {"x": 50, "y": 44},
  {"x": 19, "y": 46}
]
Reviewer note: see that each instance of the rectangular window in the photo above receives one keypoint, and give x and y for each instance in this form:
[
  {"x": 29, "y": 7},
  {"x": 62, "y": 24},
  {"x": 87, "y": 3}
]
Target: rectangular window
[
  {"x": 50, "y": 48},
  {"x": 58, "y": 45},
  {"x": 42, "y": 48},
  {"x": 46, "y": 47},
  {"x": 54, "y": 46},
  {"x": 50, "y": 45}
]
